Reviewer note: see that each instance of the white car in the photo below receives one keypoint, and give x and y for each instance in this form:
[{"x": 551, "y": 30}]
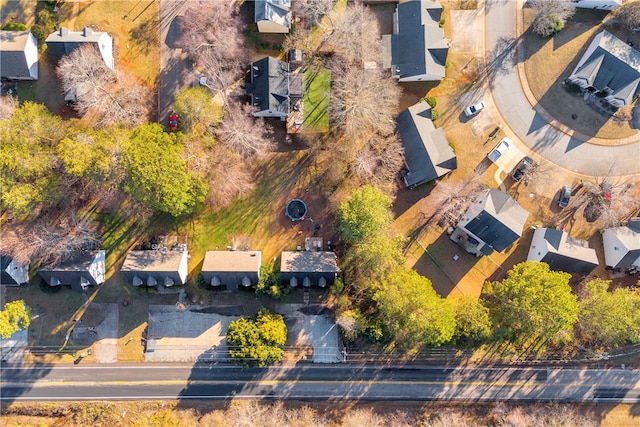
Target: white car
[
  {"x": 500, "y": 149},
  {"x": 474, "y": 109}
]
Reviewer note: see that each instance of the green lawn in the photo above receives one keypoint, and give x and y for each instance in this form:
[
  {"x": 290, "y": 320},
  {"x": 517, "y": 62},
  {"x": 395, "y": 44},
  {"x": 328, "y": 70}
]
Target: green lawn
[{"x": 316, "y": 99}]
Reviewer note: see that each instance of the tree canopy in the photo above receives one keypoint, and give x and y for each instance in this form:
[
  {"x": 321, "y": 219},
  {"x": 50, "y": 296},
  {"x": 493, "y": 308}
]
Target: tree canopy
[
  {"x": 472, "y": 319},
  {"x": 533, "y": 301},
  {"x": 15, "y": 316},
  {"x": 198, "y": 112},
  {"x": 158, "y": 176},
  {"x": 609, "y": 318},
  {"x": 364, "y": 215},
  {"x": 412, "y": 310},
  {"x": 257, "y": 342}
]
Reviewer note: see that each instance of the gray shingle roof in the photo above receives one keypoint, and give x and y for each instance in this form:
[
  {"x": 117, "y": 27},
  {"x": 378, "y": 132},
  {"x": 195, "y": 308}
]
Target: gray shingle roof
[
  {"x": 87, "y": 268},
  {"x": 270, "y": 85},
  {"x": 273, "y": 10},
  {"x": 63, "y": 42},
  {"x": 622, "y": 245},
  {"x": 18, "y": 55},
  {"x": 232, "y": 261},
  {"x": 308, "y": 262},
  {"x": 426, "y": 150},
  {"x": 561, "y": 252}
]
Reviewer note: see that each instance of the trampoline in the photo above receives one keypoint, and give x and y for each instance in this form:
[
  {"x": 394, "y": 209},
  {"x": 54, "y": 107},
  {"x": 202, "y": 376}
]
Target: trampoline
[{"x": 296, "y": 210}]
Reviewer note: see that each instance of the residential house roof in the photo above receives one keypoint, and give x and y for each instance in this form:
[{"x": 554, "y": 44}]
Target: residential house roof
[
  {"x": 12, "y": 272},
  {"x": 418, "y": 45},
  {"x": 611, "y": 65},
  {"x": 276, "y": 11},
  {"x": 88, "y": 268},
  {"x": 561, "y": 252},
  {"x": 622, "y": 245},
  {"x": 496, "y": 219},
  {"x": 153, "y": 261},
  {"x": 232, "y": 261},
  {"x": 308, "y": 262},
  {"x": 63, "y": 42},
  {"x": 269, "y": 86},
  {"x": 427, "y": 152},
  {"x": 18, "y": 55}
]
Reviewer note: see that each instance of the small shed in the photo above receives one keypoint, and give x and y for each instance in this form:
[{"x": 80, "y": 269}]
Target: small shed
[{"x": 231, "y": 270}]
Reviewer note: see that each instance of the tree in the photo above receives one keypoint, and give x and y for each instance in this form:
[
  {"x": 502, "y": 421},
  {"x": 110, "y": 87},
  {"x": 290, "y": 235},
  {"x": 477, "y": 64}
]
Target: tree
[
  {"x": 313, "y": 10},
  {"x": 364, "y": 215},
  {"x": 16, "y": 316},
  {"x": 157, "y": 174},
  {"x": 373, "y": 259},
  {"x": 229, "y": 177},
  {"x": 257, "y": 342},
  {"x": 533, "y": 301},
  {"x": 362, "y": 101},
  {"x": 100, "y": 90},
  {"x": 244, "y": 134},
  {"x": 607, "y": 198},
  {"x": 91, "y": 154},
  {"x": 412, "y": 311},
  {"x": 628, "y": 14},
  {"x": 198, "y": 112},
  {"x": 472, "y": 319},
  {"x": 609, "y": 318},
  {"x": 8, "y": 106},
  {"x": 379, "y": 161},
  {"x": 550, "y": 16}
]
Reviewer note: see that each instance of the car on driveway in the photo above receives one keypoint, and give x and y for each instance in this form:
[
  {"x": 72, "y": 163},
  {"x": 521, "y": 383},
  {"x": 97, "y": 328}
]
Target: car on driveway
[
  {"x": 565, "y": 195},
  {"x": 500, "y": 149},
  {"x": 173, "y": 122},
  {"x": 474, "y": 109},
  {"x": 521, "y": 168}
]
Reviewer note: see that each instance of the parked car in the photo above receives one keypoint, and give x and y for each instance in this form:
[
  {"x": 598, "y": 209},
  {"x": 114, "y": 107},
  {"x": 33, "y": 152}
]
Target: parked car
[
  {"x": 474, "y": 109},
  {"x": 565, "y": 195},
  {"x": 520, "y": 169},
  {"x": 499, "y": 149},
  {"x": 173, "y": 122}
]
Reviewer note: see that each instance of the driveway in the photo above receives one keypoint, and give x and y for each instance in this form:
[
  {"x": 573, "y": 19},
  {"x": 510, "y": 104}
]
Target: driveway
[{"x": 528, "y": 123}]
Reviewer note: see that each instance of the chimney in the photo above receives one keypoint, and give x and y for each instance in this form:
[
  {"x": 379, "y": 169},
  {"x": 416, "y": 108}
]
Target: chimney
[
  {"x": 63, "y": 31},
  {"x": 86, "y": 31}
]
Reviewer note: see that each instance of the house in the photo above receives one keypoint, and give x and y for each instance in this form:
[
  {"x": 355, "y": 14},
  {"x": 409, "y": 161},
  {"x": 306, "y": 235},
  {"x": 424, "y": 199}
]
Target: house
[
  {"x": 18, "y": 55},
  {"x": 561, "y": 252},
  {"x": 88, "y": 269},
  {"x": 156, "y": 267},
  {"x": 493, "y": 222},
  {"x": 273, "y": 16},
  {"x": 308, "y": 268},
  {"x": 622, "y": 246},
  {"x": 13, "y": 273},
  {"x": 63, "y": 42},
  {"x": 231, "y": 269},
  {"x": 417, "y": 50},
  {"x": 427, "y": 153},
  {"x": 269, "y": 88},
  {"x": 597, "y": 4},
  {"x": 609, "y": 71}
]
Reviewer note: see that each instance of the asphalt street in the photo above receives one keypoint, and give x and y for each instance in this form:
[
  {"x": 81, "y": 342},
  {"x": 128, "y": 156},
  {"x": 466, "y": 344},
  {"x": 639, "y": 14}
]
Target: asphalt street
[
  {"x": 151, "y": 381},
  {"x": 543, "y": 138}
]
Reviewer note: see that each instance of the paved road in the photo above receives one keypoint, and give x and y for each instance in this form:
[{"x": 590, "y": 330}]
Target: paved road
[
  {"x": 174, "y": 71},
  {"x": 521, "y": 117},
  {"x": 150, "y": 381}
]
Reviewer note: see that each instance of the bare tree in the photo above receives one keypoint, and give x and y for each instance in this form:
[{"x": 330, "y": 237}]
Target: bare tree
[
  {"x": 452, "y": 198},
  {"x": 629, "y": 14},
  {"x": 379, "y": 161},
  {"x": 362, "y": 101},
  {"x": 8, "y": 105},
  {"x": 99, "y": 91},
  {"x": 313, "y": 10},
  {"x": 551, "y": 15},
  {"x": 244, "y": 134},
  {"x": 229, "y": 179}
]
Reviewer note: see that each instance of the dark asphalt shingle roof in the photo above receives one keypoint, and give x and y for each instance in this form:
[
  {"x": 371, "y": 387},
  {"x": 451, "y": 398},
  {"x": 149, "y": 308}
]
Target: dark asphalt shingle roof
[
  {"x": 561, "y": 252},
  {"x": 13, "y": 60},
  {"x": 270, "y": 85}
]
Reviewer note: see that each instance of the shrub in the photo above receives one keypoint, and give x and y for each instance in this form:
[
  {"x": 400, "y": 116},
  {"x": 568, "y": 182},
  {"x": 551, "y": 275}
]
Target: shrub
[
  {"x": 39, "y": 33},
  {"x": 431, "y": 100},
  {"x": 434, "y": 114},
  {"x": 270, "y": 283},
  {"x": 14, "y": 26}
]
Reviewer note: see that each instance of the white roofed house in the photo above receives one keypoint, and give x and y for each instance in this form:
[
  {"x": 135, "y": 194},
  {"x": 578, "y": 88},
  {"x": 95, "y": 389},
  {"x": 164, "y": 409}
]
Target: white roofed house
[
  {"x": 561, "y": 252},
  {"x": 156, "y": 267},
  {"x": 231, "y": 270},
  {"x": 18, "y": 55},
  {"x": 63, "y": 42},
  {"x": 308, "y": 268},
  {"x": 622, "y": 246},
  {"x": 86, "y": 269},
  {"x": 273, "y": 16}
]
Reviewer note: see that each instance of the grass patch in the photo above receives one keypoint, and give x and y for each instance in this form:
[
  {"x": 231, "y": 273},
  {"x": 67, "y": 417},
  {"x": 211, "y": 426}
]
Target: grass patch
[{"x": 316, "y": 98}]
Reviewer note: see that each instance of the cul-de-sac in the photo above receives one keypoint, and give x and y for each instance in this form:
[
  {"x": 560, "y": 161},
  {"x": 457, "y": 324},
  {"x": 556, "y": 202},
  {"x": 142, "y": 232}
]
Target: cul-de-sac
[{"x": 320, "y": 212}]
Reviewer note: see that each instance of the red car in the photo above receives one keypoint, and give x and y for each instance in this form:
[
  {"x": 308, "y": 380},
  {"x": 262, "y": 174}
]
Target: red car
[{"x": 173, "y": 122}]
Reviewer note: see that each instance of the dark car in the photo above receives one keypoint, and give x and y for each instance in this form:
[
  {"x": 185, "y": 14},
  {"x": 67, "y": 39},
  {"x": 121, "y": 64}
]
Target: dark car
[
  {"x": 173, "y": 122},
  {"x": 521, "y": 168},
  {"x": 565, "y": 195}
]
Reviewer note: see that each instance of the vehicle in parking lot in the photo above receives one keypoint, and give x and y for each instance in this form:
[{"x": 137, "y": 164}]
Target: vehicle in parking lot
[
  {"x": 565, "y": 195},
  {"x": 499, "y": 149},
  {"x": 474, "y": 109},
  {"x": 521, "y": 168},
  {"x": 173, "y": 122}
]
